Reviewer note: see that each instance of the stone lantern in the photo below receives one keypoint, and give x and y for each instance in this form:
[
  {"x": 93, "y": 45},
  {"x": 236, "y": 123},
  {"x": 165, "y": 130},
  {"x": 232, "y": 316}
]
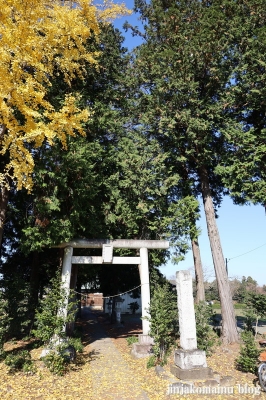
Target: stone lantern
[{"x": 118, "y": 308}]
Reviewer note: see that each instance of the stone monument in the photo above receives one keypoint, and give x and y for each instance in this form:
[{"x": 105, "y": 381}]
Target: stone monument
[{"x": 190, "y": 362}]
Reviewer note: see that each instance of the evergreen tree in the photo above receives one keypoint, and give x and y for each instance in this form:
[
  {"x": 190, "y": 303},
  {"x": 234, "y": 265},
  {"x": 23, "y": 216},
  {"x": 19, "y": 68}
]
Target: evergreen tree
[
  {"x": 110, "y": 183},
  {"x": 181, "y": 82},
  {"x": 163, "y": 317},
  {"x": 29, "y": 117},
  {"x": 68, "y": 184},
  {"x": 243, "y": 169}
]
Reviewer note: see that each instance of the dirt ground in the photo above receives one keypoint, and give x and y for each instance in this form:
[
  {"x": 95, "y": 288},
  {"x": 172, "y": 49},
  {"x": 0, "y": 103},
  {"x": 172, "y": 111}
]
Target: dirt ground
[
  {"x": 222, "y": 361},
  {"x": 77, "y": 383}
]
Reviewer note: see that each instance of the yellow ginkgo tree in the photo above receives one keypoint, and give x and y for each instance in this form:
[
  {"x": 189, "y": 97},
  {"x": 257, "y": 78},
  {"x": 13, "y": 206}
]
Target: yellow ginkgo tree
[{"x": 39, "y": 41}]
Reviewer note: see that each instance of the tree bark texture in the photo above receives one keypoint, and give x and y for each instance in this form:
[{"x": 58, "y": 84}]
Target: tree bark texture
[
  {"x": 229, "y": 328},
  {"x": 200, "y": 291}
]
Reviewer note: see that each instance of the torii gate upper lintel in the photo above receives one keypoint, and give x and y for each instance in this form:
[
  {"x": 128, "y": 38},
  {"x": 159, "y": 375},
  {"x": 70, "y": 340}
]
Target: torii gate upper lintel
[
  {"x": 107, "y": 258},
  {"x": 116, "y": 243}
]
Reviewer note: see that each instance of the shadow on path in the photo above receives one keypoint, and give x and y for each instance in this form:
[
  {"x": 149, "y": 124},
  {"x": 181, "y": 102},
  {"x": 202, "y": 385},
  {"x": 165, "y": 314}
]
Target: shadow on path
[{"x": 112, "y": 377}]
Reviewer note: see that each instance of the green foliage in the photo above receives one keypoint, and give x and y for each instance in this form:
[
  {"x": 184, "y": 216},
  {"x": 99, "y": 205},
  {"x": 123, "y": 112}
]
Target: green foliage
[
  {"x": 112, "y": 177},
  {"x": 250, "y": 319},
  {"x": 50, "y": 320},
  {"x": 20, "y": 360},
  {"x": 216, "y": 306},
  {"x": 50, "y": 328},
  {"x": 29, "y": 368},
  {"x": 4, "y": 320},
  {"x": 152, "y": 361},
  {"x": 243, "y": 170},
  {"x": 211, "y": 292},
  {"x": 163, "y": 317},
  {"x": 138, "y": 188},
  {"x": 16, "y": 296},
  {"x": 58, "y": 359},
  {"x": 249, "y": 353},
  {"x": 69, "y": 187},
  {"x": 239, "y": 306},
  {"x": 193, "y": 81},
  {"x": 198, "y": 86},
  {"x": 55, "y": 362},
  {"x": 76, "y": 343},
  {"x": 77, "y": 332},
  {"x": 67, "y": 351},
  {"x": 257, "y": 302},
  {"x": 134, "y": 306},
  {"x": 246, "y": 286},
  {"x": 255, "y": 308},
  {"x": 131, "y": 339},
  {"x": 206, "y": 337}
]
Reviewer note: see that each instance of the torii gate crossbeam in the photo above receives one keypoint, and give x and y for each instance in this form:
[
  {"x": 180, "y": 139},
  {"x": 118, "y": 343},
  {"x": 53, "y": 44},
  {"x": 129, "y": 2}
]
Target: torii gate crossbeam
[{"x": 107, "y": 258}]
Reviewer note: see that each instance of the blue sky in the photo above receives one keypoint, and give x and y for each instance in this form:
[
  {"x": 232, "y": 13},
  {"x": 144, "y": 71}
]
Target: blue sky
[
  {"x": 130, "y": 41},
  {"x": 243, "y": 237},
  {"x": 242, "y": 228}
]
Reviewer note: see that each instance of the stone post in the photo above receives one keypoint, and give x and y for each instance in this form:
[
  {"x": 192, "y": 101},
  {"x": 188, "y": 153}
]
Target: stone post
[
  {"x": 186, "y": 312},
  {"x": 190, "y": 363}
]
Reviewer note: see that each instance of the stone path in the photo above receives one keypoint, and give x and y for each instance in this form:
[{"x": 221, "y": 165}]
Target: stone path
[{"x": 112, "y": 377}]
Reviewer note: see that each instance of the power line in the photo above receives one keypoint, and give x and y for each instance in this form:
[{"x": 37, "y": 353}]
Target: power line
[{"x": 247, "y": 252}]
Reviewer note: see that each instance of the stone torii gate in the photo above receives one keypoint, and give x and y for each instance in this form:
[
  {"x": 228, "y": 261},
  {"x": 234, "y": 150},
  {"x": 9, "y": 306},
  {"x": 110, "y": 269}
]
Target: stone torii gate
[{"x": 107, "y": 258}]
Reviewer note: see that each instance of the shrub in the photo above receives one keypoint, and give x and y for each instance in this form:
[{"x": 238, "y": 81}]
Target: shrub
[
  {"x": 50, "y": 322},
  {"x": 55, "y": 362},
  {"x": 152, "y": 361},
  {"x": 256, "y": 308},
  {"x": 4, "y": 320},
  {"x": 20, "y": 360},
  {"x": 29, "y": 368},
  {"x": 2, "y": 355},
  {"x": 163, "y": 317},
  {"x": 206, "y": 337},
  {"x": 76, "y": 343},
  {"x": 250, "y": 319},
  {"x": 249, "y": 353},
  {"x": 77, "y": 332},
  {"x": 67, "y": 351},
  {"x": 61, "y": 355},
  {"x": 131, "y": 339}
]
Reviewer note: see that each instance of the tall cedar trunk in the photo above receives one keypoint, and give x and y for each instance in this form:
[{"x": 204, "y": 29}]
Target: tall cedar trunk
[
  {"x": 4, "y": 194},
  {"x": 229, "y": 328},
  {"x": 200, "y": 292}
]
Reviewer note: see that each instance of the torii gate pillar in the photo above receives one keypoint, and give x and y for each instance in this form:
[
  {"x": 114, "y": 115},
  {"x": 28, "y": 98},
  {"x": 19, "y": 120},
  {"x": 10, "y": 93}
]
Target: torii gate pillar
[
  {"x": 144, "y": 280},
  {"x": 141, "y": 261},
  {"x": 66, "y": 275},
  {"x": 145, "y": 288}
]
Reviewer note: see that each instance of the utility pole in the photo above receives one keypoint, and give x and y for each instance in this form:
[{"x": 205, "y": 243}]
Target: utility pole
[{"x": 226, "y": 266}]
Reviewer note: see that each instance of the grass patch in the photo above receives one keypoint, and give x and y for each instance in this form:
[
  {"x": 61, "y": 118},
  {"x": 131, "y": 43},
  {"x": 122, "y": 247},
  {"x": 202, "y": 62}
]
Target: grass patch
[{"x": 131, "y": 339}]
